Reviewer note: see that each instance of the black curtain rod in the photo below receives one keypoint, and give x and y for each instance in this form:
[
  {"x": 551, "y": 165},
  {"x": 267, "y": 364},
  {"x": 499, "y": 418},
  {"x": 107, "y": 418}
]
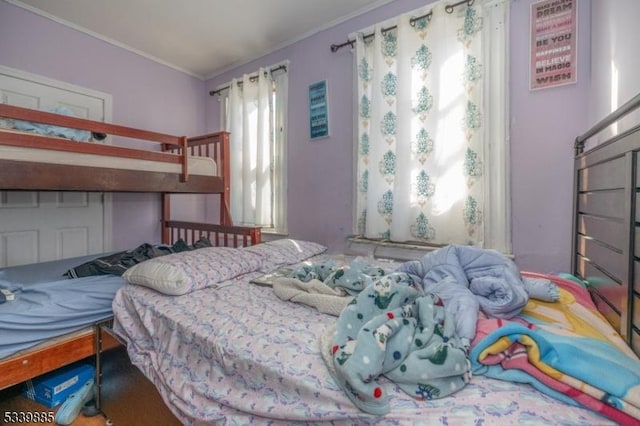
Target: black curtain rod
[
  {"x": 252, "y": 78},
  {"x": 448, "y": 8}
]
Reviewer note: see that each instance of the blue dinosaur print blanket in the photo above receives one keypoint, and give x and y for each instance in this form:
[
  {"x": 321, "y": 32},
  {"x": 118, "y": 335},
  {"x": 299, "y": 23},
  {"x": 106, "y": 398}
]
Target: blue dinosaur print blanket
[
  {"x": 393, "y": 328},
  {"x": 415, "y": 325}
]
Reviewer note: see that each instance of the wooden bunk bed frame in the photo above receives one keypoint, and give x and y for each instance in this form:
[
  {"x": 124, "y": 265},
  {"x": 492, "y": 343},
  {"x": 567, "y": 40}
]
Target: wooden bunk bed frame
[{"x": 30, "y": 176}]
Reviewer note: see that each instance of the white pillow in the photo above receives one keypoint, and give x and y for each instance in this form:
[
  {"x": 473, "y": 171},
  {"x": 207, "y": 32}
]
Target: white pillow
[
  {"x": 282, "y": 252},
  {"x": 184, "y": 272}
]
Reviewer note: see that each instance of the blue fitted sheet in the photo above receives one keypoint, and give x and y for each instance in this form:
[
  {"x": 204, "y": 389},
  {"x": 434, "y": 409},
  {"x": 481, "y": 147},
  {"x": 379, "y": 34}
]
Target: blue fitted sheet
[{"x": 48, "y": 304}]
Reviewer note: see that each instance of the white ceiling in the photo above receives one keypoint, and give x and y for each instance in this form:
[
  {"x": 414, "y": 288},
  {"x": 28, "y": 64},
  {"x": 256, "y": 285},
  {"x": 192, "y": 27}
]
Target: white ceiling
[{"x": 200, "y": 37}]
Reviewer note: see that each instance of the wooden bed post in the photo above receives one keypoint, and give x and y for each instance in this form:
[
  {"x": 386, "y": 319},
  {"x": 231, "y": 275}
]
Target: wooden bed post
[
  {"x": 256, "y": 236},
  {"x": 185, "y": 158},
  {"x": 166, "y": 215},
  {"x": 225, "y": 172}
]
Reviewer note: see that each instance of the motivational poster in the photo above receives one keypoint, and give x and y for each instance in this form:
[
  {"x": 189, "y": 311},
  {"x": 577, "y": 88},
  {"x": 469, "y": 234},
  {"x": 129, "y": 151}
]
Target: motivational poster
[{"x": 553, "y": 43}]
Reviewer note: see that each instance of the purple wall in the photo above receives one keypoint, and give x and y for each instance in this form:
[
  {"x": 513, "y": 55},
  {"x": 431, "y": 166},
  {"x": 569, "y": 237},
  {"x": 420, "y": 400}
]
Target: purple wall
[
  {"x": 543, "y": 126},
  {"x": 145, "y": 95}
]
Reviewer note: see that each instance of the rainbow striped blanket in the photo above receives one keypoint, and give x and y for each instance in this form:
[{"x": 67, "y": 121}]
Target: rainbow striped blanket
[{"x": 565, "y": 349}]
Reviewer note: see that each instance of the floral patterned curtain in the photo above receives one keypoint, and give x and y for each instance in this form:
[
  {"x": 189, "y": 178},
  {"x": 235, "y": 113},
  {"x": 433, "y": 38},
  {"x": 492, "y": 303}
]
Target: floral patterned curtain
[{"x": 421, "y": 144}]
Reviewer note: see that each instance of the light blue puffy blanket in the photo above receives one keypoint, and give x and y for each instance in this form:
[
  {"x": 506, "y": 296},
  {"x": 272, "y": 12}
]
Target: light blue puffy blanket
[{"x": 469, "y": 279}]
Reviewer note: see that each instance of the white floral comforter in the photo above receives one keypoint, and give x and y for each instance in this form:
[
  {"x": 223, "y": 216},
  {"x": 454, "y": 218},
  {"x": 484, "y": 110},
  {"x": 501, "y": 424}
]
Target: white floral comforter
[{"x": 239, "y": 354}]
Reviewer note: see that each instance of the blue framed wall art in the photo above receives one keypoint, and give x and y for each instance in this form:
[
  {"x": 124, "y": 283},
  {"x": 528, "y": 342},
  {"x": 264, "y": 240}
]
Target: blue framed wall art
[{"x": 318, "y": 110}]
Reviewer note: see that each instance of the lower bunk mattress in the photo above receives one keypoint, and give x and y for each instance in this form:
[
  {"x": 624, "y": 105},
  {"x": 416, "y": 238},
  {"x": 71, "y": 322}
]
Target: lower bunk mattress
[
  {"x": 46, "y": 304},
  {"x": 238, "y": 353}
]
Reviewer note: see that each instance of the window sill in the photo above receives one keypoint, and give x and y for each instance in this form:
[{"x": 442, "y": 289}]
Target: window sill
[
  {"x": 361, "y": 246},
  {"x": 270, "y": 234}
]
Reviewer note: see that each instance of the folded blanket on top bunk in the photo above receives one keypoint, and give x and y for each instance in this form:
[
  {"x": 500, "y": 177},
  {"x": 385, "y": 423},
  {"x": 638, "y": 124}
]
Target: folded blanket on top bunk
[
  {"x": 51, "y": 130},
  {"x": 566, "y": 350}
]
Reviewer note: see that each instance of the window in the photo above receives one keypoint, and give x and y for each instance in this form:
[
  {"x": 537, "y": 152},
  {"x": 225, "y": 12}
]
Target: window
[
  {"x": 253, "y": 110},
  {"x": 432, "y": 159}
]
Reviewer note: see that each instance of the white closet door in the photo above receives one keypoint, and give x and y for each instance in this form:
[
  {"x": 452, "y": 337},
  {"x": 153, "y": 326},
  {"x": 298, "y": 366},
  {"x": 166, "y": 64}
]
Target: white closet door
[{"x": 49, "y": 225}]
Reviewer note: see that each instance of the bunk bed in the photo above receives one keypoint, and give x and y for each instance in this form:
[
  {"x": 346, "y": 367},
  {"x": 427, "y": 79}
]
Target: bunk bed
[
  {"x": 252, "y": 355},
  {"x": 167, "y": 165}
]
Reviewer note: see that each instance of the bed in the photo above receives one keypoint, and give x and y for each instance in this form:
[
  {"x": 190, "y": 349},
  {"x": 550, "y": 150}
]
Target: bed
[
  {"x": 44, "y": 317},
  {"x": 241, "y": 352},
  {"x": 135, "y": 161},
  {"x": 606, "y": 244}
]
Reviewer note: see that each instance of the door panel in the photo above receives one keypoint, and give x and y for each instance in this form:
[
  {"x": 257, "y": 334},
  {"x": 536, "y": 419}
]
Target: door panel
[{"x": 49, "y": 225}]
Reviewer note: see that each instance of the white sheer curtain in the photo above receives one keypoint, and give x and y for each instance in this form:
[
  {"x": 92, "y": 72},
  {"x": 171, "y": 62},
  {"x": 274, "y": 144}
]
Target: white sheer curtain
[
  {"x": 431, "y": 146},
  {"x": 250, "y": 119}
]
